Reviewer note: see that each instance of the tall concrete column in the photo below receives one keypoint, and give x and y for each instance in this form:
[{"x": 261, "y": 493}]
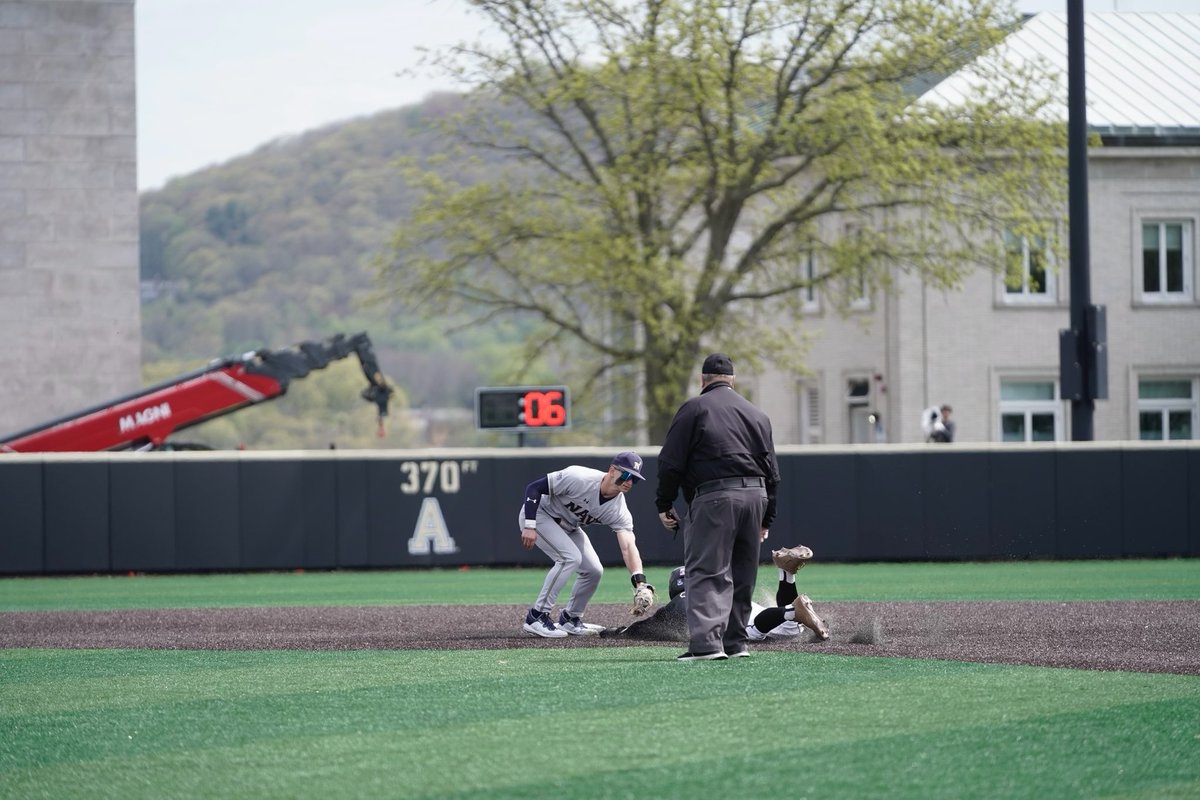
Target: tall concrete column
[{"x": 70, "y": 320}]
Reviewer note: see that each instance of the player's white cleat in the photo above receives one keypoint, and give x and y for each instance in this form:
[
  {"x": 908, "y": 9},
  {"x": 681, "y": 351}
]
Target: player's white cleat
[
  {"x": 576, "y": 626},
  {"x": 539, "y": 624}
]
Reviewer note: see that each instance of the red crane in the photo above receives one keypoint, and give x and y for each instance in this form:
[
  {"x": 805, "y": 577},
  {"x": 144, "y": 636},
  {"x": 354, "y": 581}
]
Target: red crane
[{"x": 143, "y": 420}]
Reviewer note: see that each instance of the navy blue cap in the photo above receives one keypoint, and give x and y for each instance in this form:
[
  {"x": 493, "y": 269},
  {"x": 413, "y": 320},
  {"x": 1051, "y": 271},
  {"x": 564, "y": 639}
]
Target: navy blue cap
[{"x": 630, "y": 462}]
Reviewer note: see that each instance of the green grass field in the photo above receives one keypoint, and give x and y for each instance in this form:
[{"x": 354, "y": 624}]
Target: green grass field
[
  {"x": 1170, "y": 579},
  {"x": 588, "y": 722}
]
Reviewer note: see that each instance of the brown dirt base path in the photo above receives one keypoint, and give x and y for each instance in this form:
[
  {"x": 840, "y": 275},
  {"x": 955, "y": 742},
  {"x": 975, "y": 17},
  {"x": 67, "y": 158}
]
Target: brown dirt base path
[{"x": 1137, "y": 637}]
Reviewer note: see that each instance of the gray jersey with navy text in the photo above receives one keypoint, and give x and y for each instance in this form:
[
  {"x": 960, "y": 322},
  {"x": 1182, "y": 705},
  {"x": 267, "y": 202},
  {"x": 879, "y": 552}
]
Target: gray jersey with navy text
[{"x": 574, "y": 501}]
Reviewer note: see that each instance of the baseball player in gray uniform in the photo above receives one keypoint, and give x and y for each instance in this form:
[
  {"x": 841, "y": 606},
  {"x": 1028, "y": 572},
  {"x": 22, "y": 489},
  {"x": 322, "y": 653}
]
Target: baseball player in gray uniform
[{"x": 557, "y": 507}]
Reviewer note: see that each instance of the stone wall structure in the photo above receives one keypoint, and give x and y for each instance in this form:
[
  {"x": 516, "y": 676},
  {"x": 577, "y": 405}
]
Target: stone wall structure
[{"x": 70, "y": 321}]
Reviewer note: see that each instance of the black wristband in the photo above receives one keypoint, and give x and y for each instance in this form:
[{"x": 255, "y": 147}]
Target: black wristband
[{"x": 636, "y": 578}]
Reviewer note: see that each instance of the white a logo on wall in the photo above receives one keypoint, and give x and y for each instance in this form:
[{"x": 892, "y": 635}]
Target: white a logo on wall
[{"x": 431, "y": 534}]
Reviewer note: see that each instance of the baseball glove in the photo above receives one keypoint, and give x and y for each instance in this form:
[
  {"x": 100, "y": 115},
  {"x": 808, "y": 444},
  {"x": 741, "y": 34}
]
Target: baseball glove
[
  {"x": 791, "y": 559},
  {"x": 643, "y": 600}
]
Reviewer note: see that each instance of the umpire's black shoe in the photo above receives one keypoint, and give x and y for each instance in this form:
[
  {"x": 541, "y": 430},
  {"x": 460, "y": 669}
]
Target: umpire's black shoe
[
  {"x": 744, "y": 652},
  {"x": 718, "y": 655}
]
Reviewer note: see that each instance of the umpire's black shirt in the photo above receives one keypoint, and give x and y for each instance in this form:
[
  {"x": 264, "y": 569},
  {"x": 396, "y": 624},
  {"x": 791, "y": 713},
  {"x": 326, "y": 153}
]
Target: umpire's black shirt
[{"x": 718, "y": 434}]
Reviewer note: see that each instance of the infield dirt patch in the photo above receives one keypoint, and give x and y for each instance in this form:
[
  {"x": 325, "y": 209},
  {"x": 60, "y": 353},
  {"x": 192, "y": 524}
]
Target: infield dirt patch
[{"x": 1129, "y": 636}]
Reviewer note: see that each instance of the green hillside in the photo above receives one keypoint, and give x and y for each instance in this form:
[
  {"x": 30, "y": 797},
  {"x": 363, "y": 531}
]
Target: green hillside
[{"x": 280, "y": 246}]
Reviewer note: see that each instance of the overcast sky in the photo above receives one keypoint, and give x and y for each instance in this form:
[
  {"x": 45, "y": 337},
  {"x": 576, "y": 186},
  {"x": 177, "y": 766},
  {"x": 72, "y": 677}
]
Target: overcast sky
[{"x": 218, "y": 78}]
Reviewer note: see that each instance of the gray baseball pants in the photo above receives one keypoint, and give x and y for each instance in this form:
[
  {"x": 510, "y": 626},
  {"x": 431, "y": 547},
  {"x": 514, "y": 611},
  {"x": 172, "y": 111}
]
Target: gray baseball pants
[
  {"x": 720, "y": 555},
  {"x": 572, "y": 554}
]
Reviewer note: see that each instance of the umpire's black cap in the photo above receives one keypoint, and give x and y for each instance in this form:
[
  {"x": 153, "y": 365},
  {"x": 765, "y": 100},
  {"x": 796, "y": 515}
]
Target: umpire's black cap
[{"x": 717, "y": 364}]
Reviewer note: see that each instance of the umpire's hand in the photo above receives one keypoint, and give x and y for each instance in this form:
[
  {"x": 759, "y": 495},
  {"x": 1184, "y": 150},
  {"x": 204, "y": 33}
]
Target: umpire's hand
[{"x": 669, "y": 520}]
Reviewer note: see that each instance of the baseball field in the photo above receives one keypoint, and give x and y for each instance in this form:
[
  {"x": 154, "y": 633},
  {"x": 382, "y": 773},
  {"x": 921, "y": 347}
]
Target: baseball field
[{"x": 961, "y": 680}]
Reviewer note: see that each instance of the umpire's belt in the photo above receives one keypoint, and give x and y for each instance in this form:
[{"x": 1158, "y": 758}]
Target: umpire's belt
[{"x": 729, "y": 483}]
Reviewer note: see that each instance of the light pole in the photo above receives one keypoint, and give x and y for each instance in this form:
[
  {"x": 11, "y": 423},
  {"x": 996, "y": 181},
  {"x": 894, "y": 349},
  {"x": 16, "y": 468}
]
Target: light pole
[{"x": 1083, "y": 357}]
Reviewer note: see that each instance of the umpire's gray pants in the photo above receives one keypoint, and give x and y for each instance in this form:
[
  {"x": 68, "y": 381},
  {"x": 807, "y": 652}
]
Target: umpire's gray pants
[
  {"x": 720, "y": 556},
  {"x": 572, "y": 554}
]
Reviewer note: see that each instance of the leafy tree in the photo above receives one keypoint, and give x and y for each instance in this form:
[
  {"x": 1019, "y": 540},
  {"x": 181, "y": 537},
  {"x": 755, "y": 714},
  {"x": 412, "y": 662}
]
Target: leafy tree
[
  {"x": 277, "y": 247},
  {"x": 674, "y": 162},
  {"x": 156, "y": 227},
  {"x": 228, "y": 222}
]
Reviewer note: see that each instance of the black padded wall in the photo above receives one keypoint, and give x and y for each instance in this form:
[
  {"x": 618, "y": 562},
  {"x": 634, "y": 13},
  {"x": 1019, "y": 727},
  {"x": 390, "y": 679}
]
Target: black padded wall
[
  {"x": 22, "y": 520},
  {"x": 196, "y": 512}
]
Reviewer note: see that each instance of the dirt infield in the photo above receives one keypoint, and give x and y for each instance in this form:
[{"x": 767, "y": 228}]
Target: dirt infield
[{"x": 1137, "y": 637}]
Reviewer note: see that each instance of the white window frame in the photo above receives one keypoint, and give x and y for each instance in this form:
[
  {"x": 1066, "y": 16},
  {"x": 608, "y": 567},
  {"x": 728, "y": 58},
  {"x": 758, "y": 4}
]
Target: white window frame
[
  {"x": 858, "y": 406},
  {"x": 1028, "y": 408},
  {"x": 808, "y": 393},
  {"x": 1025, "y": 296},
  {"x": 1164, "y": 406},
  {"x": 858, "y": 288},
  {"x": 862, "y": 300},
  {"x": 1187, "y": 242},
  {"x": 811, "y": 302}
]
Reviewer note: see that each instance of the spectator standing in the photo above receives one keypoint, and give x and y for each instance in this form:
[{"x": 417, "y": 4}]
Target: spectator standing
[
  {"x": 946, "y": 434},
  {"x": 937, "y": 425}
]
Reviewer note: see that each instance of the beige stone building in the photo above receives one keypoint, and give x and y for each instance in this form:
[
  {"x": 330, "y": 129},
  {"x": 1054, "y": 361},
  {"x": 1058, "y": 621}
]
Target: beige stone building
[
  {"x": 990, "y": 350},
  {"x": 70, "y": 319}
]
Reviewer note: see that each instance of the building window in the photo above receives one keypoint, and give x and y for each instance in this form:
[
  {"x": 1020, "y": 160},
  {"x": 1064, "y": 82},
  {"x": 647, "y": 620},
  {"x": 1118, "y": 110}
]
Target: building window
[
  {"x": 808, "y": 274},
  {"x": 1168, "y": 408},
  {"x": 1028, "y": 271},
  {"x": 810, "y": 414},
  {"x": 859, "y": 289},
  {"x": 1167, "y": 261},
  {"x": 856, "y": 283},
  {"x": 1030, "y": 411},
  {"x": 858, "y": 402}
]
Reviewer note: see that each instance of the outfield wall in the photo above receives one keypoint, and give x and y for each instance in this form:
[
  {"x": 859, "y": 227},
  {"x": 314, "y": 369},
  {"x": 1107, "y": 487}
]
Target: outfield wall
[{"x": 187, "y": 511}]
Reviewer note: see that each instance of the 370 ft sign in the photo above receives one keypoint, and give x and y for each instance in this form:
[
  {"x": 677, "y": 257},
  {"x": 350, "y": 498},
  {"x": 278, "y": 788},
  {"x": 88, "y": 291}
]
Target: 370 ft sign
[{"x": 520, "y": 408}]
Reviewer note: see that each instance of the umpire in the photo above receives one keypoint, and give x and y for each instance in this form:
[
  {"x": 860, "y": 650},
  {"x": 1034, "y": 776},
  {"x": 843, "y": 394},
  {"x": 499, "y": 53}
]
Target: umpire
[{"x": 719, "y": 450}]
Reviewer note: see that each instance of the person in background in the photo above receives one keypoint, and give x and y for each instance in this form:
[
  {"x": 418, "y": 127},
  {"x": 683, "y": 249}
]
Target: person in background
[
  {"x": 937, "y": 425},
  {"x": 946, "y": 435}
]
